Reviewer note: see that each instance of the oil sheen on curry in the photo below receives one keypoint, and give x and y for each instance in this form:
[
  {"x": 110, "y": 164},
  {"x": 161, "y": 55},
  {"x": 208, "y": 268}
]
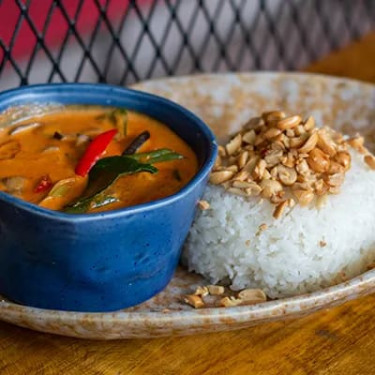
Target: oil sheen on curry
[{"x": 92, "y": 159}]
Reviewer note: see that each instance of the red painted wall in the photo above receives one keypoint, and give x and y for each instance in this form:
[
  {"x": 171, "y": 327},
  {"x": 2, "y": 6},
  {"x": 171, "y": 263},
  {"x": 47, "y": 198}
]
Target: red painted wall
[{"x": 25, "y": 40}]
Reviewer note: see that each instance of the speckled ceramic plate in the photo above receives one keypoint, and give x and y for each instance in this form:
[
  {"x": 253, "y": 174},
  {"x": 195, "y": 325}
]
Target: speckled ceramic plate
[{"x": 225, "y": 102}]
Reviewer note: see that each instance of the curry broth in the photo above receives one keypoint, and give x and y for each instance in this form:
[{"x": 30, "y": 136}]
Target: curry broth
[{"x": 37, "y": 153}]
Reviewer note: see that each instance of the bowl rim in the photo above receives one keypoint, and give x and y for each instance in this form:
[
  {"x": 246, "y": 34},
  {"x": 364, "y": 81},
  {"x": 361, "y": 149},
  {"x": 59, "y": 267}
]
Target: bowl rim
[{"x": 132, "y": 210}]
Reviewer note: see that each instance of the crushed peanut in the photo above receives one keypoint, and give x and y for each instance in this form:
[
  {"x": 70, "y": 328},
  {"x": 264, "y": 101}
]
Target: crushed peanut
[
  {"x": 230, "y": 302},
  {"x": 203, "y": 205},
  {"x": 215, "y": 290},
  {"x": 218, "y": 295},
  {"x": 244, "y": 297},
  {"x": 221, "y": 176},
  {"x": 279, "y": 209},
  {"x": 357, "y": 144},
  {"x": 201, "y": 291},
  {"x": 285, "y": 159},
  {"x": 262, "y": 227},
  {"x": 370, "y": 161},
  {"x": 252, "y": 296},
  {"x": 193, "y": 300}
]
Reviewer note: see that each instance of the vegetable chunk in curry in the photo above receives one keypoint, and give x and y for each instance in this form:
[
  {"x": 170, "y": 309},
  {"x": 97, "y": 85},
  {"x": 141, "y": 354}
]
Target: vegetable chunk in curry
[{"x": 92, "y": 159}]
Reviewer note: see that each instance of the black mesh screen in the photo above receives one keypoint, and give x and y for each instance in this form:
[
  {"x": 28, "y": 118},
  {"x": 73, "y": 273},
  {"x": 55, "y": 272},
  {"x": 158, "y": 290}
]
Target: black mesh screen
[{"x": 124, "y": 41}]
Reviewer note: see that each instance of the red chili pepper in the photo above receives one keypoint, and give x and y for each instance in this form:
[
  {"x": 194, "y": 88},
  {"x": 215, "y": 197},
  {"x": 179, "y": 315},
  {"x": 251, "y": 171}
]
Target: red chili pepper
[
  {"x": 44, "y": 184},
  {"x": 93, "y": 152}
]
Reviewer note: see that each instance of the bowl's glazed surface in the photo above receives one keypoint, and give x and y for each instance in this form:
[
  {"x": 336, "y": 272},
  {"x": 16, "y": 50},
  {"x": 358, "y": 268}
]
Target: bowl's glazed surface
[{"x": 104, "y": 261}]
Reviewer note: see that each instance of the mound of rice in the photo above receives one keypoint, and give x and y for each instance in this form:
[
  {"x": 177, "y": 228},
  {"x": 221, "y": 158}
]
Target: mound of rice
[{"x": 305, "y": 250}]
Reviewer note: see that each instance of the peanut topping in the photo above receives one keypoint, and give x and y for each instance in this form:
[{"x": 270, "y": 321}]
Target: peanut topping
[
  {"x": 280, "y": 157},
  {"x": 242, "y": 159},
  {"x": 289, "y": 122},
  {"x": 249, "y": 137},
  {"x": 221, "y": 151},
  {"x": 309, "y": 123},
  {"x": 234, "y": 144},
  {"x": 357, "y": 144},
  {"x": 287, "y": 176},
  {"x": 309, "y": 144},
  {"x": 215, "y": 290},
  {"x": 272, "y": 133},
  {"x": 279, "y": 209},
  {"x": 201, "y": 291},
  {"x": 318, "y": 161},
  {"x": 343, "y": 158},
  {"x": 335, "y": 168},
  {"x": 230, "y": 302},
  {"x": 325, "y": 143},
  {"x": 252, "y": 295},
  {"x": 270, "y": 188},
  {"x": 194, "y": 300},
  {"x": 304, "y": 197},
  {"x": 203, "y": 205},
  {"x": 220, "y": 177},
  {"x": 273, "y": 116},
  {"x": 217, "y": 295},
  {"x": 245, "y": 297},
  {"x": 370, "y": 161}
]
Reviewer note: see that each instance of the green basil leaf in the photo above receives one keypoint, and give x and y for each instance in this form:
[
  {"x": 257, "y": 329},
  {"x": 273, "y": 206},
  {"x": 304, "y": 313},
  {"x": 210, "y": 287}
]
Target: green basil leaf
[
  {"x": 120, "y": 120},
  {"x": 62, "y": 187},
  {"x": 80, "y": 207},
  {"x": 107, "y": 170},
  {"x": 102, "y": 200},
  {"x": 104, "y": 173},
  {"x": 118, "y": 117},
  {"x": 156, "y": 156},
  {"x": 99, "y": 200}
]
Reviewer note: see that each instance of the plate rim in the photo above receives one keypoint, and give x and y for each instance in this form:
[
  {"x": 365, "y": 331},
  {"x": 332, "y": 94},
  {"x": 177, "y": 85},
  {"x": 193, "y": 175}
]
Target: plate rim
[
  {"x": 360, "y": 285},
  {"x": 308, "y": 299},
  {"x": 269, "y": 73}
]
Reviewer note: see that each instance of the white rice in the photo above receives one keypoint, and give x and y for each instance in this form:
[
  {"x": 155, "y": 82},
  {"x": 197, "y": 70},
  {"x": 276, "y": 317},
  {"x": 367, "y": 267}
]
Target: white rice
[{"x": 287, "y": 258}]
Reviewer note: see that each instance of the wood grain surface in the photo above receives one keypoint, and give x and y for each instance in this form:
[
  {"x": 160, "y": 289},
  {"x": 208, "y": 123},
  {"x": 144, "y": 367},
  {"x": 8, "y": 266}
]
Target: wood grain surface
[
  {"x": 355, "y": 61},
  {"x": 336, "y": 341}
]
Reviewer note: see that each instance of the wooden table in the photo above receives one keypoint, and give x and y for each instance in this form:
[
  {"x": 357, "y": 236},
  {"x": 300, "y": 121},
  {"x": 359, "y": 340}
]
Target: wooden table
[{"x": 336, "y": 341}]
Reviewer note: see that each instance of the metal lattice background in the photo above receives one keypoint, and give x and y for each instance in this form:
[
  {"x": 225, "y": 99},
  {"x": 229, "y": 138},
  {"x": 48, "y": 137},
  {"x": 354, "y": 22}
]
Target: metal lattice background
[{"x": 128, "y": 41}]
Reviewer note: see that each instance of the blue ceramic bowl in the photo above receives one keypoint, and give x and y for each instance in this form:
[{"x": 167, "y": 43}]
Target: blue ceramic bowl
[{"x": 103, "y": 261}]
